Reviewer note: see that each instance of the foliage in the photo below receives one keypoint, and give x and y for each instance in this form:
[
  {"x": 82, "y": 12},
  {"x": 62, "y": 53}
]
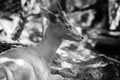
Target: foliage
[{"x": 21, "y": 24}]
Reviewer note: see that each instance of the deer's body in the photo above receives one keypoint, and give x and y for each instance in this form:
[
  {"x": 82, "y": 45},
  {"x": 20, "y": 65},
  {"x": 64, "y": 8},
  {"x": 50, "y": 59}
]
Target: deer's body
[
  {"x": 36, "y": 56},
  {"x": 31, "y": 63}
]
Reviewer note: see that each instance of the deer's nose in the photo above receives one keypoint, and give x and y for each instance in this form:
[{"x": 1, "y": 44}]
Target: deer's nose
[
  {"x": 79, "y": 38},
  {"x": 82, "y": 37},
  {"x": 77, "y": 35}
]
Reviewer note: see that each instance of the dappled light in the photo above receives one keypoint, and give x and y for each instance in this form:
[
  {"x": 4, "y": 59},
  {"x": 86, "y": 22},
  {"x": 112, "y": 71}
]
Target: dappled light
[{"x": 96, "y": 57}]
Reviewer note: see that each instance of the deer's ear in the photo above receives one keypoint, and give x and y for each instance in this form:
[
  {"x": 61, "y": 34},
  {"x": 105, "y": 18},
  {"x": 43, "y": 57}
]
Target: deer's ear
[
  {"x": 49, "y": 15},
  {"x": 61, "y": 13}
]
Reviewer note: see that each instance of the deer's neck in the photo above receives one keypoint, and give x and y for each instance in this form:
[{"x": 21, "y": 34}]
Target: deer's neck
[{"x": 49, "y": 44}]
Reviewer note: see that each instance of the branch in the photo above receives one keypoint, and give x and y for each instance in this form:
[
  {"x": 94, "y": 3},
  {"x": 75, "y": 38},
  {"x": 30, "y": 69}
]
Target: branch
[{"x": 20, "y": 27}]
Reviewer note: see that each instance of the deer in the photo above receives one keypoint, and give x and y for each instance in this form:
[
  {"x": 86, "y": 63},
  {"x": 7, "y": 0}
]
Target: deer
[{"x": 32, "y": 62}]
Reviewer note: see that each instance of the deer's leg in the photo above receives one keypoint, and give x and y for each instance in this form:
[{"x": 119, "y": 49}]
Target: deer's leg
[
  {"x": 5, "y": 73},
  {"x": 16, "y": 70}
]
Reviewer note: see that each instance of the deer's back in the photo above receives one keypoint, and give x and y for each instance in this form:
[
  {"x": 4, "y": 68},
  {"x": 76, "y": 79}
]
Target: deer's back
[{"x": 24, "y": 63}]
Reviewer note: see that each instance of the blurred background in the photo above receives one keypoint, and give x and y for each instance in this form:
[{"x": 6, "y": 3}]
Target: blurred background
[{"x": 95, "y": 58}]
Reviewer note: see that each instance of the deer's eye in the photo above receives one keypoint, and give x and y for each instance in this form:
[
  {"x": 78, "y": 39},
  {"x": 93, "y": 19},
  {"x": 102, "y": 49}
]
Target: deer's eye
[{"x": 68, "y": 27}]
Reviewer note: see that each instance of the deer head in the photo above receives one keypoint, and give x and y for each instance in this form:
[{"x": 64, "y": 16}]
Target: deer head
[{"x": 60, "y": 25}]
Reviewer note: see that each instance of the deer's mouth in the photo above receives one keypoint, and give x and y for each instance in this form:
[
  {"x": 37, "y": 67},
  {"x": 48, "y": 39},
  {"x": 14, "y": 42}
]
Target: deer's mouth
[{"x": 73, "y": 37}]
